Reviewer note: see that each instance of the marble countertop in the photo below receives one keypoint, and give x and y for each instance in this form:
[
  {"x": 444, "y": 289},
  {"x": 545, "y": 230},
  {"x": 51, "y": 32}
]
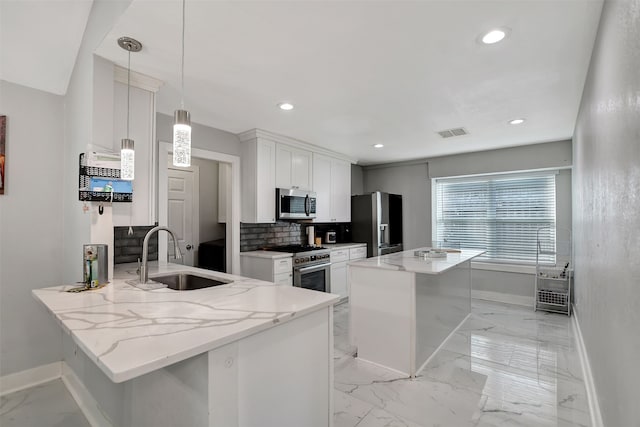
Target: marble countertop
[
  {"x": 129, "y": 332},
  {"x": 342, "y": 245},
  {"x": 407, "y": 261},
  {"x": 267, "y": 254}
]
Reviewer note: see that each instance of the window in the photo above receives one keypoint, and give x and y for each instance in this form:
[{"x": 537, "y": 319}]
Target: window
[{"x": 497, "y": 213}]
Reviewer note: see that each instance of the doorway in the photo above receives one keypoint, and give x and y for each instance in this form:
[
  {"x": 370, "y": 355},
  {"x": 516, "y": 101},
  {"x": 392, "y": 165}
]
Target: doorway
[
  {"x": 183, "y": 210},
  {"x": 229, "y": 199}
]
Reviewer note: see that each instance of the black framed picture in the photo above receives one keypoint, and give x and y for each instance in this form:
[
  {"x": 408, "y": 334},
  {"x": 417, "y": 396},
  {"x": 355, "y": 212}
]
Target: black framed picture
[{"x": 3, "y": 136}]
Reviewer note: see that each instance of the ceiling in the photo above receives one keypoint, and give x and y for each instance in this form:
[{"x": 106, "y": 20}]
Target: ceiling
[
  {"x": 367, "y": 72},
  {"x": 39, "y": 41}
]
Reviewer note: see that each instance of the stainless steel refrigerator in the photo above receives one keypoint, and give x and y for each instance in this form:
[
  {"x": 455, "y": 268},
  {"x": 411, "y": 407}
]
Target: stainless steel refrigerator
[{"x": 376, "y": 219}]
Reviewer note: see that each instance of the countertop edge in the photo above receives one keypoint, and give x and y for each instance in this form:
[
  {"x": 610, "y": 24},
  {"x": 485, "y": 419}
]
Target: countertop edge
[
  {"x": 326, "y": 300},
  {"x": 163, "y": 363},
  {"x": 389, "y": 266}
]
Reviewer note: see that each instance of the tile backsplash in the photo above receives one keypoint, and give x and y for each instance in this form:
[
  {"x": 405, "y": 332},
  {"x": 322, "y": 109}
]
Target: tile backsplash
[
  {"x": 129, "y": 248},
  {"x": 256, "y": 236}
]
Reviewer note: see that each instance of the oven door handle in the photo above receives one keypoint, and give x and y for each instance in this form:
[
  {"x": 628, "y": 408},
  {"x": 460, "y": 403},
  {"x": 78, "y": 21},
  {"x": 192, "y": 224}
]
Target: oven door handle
[
  {"x": 314, "y": 267},
  {"x": 307, "y": 205}
]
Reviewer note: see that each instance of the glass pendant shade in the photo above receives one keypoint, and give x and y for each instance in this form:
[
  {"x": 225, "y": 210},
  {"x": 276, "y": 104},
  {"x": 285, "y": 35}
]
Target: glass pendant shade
[
  {"x": 182, "y": 139},
  {"x": 127, "y": 159}
]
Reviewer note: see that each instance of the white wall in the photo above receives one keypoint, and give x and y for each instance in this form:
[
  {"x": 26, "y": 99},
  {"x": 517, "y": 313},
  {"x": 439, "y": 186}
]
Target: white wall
[
  {"x": 413, "y": 181},
  {"x": 31, "y": 220},
  {"x": 204, "y": 137},
  {"x": 141, "y": 130},
  {"x": 607, "y": 213},
  {"x": 43, "y": 224},
  {"x": 88, "y": 121}
]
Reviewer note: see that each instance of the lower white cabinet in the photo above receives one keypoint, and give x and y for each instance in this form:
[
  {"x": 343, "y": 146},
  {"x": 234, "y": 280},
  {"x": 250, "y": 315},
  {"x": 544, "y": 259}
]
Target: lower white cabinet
[
  {"x": 340, "y": 258},
  {"x": 257, "y": 265}
]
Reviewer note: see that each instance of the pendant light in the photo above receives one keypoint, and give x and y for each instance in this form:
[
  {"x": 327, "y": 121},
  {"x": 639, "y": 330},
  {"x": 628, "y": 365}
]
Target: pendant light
[
  {"x": 182, "y": 121},
  {"x": 127, "y": 153}
]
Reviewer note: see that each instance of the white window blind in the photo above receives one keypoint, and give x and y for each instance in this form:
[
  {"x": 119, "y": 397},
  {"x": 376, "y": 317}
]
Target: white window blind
[{"x": 496, "y": 213}]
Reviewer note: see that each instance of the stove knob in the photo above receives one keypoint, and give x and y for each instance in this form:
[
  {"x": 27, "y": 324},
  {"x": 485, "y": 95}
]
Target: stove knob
[
  {"x": 297, "y": 261},
  {"x": 307, "y": 259}
]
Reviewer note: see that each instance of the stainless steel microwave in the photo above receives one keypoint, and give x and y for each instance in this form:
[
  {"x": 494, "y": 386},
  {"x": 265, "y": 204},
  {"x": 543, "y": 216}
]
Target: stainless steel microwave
[{"x": 295, "y": 204}]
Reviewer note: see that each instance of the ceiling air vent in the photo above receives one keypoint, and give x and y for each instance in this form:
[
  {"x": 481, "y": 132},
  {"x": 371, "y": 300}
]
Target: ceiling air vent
[{"x": 452, "y": 132}]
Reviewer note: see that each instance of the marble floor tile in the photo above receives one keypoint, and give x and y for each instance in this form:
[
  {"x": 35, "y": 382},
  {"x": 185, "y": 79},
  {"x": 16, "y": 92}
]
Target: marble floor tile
[
  {"x": 506, "y": 365},
  {"x": 49, "y": 404},
  {"x": 380, "y": 418},
  {"x": 347, "y": 410}
]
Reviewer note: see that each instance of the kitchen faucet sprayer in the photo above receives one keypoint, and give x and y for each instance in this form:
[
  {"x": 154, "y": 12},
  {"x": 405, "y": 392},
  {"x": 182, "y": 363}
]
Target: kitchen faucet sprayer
[{"x": 144, "y": 273}]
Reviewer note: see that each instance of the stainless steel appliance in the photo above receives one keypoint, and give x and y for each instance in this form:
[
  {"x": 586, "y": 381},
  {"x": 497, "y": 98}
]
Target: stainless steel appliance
[
  {"x": 295, "y": 204},
  {"x": 376, "y": 219},
  {"x": 330, "y": 237},
  {"x": 311, "y": 266}
]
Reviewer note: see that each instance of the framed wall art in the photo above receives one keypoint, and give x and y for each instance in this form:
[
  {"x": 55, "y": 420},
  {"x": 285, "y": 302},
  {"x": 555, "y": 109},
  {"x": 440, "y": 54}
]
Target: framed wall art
[{"x": 3, "y": 137}]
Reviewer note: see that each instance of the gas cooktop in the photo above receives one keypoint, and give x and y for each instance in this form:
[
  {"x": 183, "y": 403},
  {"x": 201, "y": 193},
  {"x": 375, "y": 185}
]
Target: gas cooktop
[{"x": 295, "y": 248}]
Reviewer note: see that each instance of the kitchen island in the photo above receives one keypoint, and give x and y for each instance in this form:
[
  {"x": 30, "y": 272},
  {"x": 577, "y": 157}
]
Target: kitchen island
[
  {"x": 403, "y": 307},
  {"x": 246, "y": 353}
]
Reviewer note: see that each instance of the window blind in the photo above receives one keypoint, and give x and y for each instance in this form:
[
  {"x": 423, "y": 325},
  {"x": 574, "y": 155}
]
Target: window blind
[{"x": 496, "y": 213}]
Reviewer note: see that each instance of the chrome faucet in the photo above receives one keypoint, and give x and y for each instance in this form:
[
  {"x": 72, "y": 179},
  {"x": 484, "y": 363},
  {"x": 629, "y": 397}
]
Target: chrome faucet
[{"x": 144, "y": 273}]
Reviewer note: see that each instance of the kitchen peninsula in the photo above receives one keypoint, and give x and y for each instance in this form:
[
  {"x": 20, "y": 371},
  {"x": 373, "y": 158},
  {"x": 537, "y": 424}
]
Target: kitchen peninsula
[
  {"x": 246, "y": 353},
  {"x": 404, "y": 306}
]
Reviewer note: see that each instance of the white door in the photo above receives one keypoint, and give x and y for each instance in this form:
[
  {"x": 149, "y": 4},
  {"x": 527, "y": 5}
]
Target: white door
[{"x": 182, "y": 213}]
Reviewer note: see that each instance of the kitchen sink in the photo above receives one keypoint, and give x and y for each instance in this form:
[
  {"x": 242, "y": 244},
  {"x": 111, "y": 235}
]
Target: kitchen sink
[{"x": 188, "y": 281}]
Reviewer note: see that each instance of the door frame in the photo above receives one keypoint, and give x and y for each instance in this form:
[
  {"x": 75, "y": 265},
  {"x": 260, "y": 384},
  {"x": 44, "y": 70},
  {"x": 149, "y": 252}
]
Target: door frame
[
  {"x": 233, "y": 208},
  {"x": 195, "y": 203}
]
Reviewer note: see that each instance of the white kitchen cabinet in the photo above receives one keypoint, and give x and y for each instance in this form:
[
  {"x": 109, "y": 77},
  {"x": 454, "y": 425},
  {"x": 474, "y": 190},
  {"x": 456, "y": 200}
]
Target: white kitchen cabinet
[
  {"x": 332, "y": 184},
  {"x": 340, "y": 258},
  {"x": 293, "y": 167},
  {"x": 258, "y": 171},
  {"x": 357, "y": 253},
  {"x": 260, "y": 265}
]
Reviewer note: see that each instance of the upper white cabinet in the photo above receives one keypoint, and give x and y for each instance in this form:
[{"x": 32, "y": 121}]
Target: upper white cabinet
[
  {"x": 269, "y": 161},
  {"x": 258, "y": 178},
  {"x": 332, "y": 184},
  {"x": 293, "y": 167}
]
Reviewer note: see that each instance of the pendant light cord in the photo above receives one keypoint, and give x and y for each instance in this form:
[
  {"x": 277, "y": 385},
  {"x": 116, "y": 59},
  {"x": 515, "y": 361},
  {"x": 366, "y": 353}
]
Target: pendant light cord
[
  {"x": 128, "y": 88},
  {"x": 182, "y": 67}
]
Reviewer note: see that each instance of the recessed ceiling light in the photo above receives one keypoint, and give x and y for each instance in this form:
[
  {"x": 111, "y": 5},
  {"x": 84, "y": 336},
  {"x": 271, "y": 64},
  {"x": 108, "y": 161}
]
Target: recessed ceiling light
[
  {"x": 285, "y": 106},
  {"x": 516, "y": 121},
  {"x": 494, "y": 36},
  {"x": 378, "y": 145}
]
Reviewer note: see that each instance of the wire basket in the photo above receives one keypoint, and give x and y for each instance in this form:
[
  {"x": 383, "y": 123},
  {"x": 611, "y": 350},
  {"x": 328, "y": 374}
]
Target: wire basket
[{"x": 552, "y": 297}]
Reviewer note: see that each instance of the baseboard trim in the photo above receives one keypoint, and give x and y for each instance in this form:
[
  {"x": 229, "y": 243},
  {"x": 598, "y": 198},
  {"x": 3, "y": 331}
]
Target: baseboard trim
[
  {"x": 87, "y": 404},
  {"x": 502, "y": 297},
  {"x": 589, "y": 383},
  {"x": 30, "y": 378}
]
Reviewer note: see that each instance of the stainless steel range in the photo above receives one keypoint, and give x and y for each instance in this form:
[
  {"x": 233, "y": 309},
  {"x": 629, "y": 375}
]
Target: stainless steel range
[{"x": 311, "y": 266}]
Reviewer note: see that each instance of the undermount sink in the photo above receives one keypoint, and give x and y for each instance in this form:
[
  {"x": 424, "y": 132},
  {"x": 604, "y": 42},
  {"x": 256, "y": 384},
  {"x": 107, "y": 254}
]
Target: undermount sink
[{"x": 188, "y": 281}]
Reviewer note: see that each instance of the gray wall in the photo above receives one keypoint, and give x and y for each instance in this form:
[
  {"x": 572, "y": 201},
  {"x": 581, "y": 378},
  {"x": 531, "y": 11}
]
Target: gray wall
[
  {"x": 357, "y": 180},
  {"x": 204, "y": 137},
  {"x": 607, "y": 213},
  {"x": 30, "y": 225},
  {"x": 413, "y": 181}
]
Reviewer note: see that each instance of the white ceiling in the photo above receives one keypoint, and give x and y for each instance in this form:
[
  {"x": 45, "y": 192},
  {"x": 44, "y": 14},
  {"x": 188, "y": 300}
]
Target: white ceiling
[
  {"x": 358, "y": 72},
  {"x": 39, "y": 41}
]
